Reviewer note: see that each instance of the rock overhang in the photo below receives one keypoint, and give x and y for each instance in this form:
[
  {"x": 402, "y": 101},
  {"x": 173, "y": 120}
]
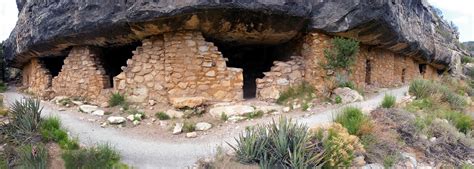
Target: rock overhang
[{"x": 405, "y": 27}]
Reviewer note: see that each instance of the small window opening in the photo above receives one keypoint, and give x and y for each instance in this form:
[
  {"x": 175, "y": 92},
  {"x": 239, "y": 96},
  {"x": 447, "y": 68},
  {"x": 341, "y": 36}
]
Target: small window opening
[
  {"x": 403, "y": 75},
  {"x": 368, "y": 72},
  {"x": 422, "y": 68}
]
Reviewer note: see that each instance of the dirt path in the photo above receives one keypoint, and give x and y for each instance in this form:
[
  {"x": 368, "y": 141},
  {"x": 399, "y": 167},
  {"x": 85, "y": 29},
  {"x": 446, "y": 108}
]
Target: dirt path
[{"x": 146, "y": 153}]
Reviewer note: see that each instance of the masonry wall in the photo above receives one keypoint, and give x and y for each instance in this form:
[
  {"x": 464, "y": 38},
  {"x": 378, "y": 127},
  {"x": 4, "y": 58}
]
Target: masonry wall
[
  {"x": 179, "y": 64},
  {"x": 281, "y": 76},
  {"x": 36, "y": 78},
  {"x": 82, "y": 75},
  {"x": 387, "y": 69}
]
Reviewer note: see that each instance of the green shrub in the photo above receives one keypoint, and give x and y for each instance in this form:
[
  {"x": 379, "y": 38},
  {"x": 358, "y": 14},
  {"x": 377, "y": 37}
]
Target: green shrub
[
  {"x": 338, "y": 100},
  {"x": 33, "y": 156},
  {"x": 389, "y": 161},
  {"x": 278, "y": 145},
  {"x": 421, "y": 88},
  {"x": 305, "y": 106},
  {"x": 3, "y": 87},
  {"x": 342, "y": 54},
  {"x": 25, "y": 120},
  {"x": 388, "y": 101},
  {"x": 51, "y": 131},
  {"x": 189, "y": 126},
  {"x": 352, "y": 119},
  {"x": 467, "y": 59},
  {"x": 424, "y": 89},
  {"x": 116, "y": 99},
  {"x": 464, "y": 123},
  {"x": 102, "y": 156},
  {"x": 255, "y": 114},
  {"x": 162, "y": 116},
  {"x": 224, "y": 117},
  {"x": 302, "y": 91},
  {"x": 69, "y": 144}
]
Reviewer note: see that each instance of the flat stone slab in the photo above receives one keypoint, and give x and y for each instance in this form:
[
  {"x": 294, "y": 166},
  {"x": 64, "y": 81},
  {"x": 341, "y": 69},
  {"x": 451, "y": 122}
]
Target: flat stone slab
[
  {"x": 191, "y": 102},
  {"x": 231, "y": 110},
  {"x": 88, "y": 108}
]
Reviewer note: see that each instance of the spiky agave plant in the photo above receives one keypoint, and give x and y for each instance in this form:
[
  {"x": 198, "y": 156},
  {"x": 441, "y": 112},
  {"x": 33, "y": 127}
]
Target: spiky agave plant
[{"x": 25, "y": 120}]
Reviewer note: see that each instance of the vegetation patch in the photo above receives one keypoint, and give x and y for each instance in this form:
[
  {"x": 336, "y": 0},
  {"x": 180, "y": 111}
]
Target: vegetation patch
[
  {"x": 33, "y": 156},
  {"x": 25, "y": 121},
  {"x": 388, "y": 101},
  {"x": 303, "y": 92},
  {"x": 3, "y": 87},
  {"x": 425, "y": 88},
  {"x": 162, "y": 116},
  {"x": 353, "y": 120},
  {"x": 116, "y": 99},
  {"x": 51, "y": 131},
  {"x": 102, "y": 156}
]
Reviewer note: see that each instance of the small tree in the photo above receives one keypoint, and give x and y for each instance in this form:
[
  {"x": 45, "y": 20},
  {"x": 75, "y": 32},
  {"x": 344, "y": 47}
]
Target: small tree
[{"x": 342, "y": 54}]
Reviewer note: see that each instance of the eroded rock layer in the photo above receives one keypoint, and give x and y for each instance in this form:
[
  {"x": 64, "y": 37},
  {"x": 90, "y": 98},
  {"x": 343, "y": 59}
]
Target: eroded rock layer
[{"x": 408, "y": 27}]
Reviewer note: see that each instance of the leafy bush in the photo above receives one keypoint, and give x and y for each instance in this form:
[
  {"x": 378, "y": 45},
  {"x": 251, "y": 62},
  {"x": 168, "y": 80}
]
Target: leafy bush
[
  {"x": 224, "y": 117},
  {"x": 388, "y": 101},
  {"x": 424, "y": 89},
  {"x": 189, "y": 126},
  {"x": 464, "y": 123},
  {"x": 342, "y": 54},
  {"x": 162, "y": 116},
  {"x": 352, "y": 119},
  {"x": 255, "y": 114},
  {"x": 51, "y": 131},
  {"x": 102, "y": 156},
  {"x": 421, "y": 88},
  {"x": 279, "y": 145},
  {"x": 338, "y": 100},
  {"x": 467, "y": 59},
  {"x": 116, "y": 99},
  {"x": 302, "y": 91},
  {"x": 33, "y": 156},
  {"x": 25, "y": 120},
  {"x": 343, "y": 81},
  {"x": 3, "y": 87}
]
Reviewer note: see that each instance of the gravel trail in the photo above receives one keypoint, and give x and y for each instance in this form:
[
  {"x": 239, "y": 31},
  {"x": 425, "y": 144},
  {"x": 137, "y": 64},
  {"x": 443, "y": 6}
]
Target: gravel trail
[{"x": 145, "y": 153}]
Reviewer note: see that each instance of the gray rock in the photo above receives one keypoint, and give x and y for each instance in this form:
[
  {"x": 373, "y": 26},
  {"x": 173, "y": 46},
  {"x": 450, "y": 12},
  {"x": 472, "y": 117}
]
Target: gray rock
[
  {"x": 347, "y": 95},
  {"x": 373, "y": 166},
  {"x": 178, "y": 128},
  {"x": 40, "y": 32},
  {"x": 203, "y": 126},
  {"x": 98, "y": 113},
  {"x": 116, "y": 120},
  {"x": 88, "y": 108},
  {"x": 231, "y": 110}
]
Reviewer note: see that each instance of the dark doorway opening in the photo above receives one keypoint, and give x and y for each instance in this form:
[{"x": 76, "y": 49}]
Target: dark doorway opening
[
  {"x": 422, "y": 68},
  {"x": 368, "y": 72},
  {"x": 253, "y": 59},
  {"x": 403, "y": 75},
  {"x": 113, "y": 58},
  {"x": 53, "y": 64}
]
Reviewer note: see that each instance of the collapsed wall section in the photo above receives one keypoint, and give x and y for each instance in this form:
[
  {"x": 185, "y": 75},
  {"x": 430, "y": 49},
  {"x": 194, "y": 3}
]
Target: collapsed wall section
[
  {"x": 36, "y": 78},
  {"x": 82, "y": 75}
]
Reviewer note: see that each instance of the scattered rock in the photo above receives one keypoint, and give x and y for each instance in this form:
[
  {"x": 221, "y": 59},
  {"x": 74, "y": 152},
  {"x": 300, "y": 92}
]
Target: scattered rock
[
  {"x": 116, "y": 120},
  {"x": 286, "y": 109},
  {"x": 57, "y": 99},
  {"x": 233, "y": 110},
  {"x": 151, "y": 102},
  {"x": 236, "y": 118},
  {"x": 131, "y": 117},
  {"x": 373, "y": 166},
  {"x": 190, "y": 102},
  {"x": 358, "y": 161},
  {"x": 79, "y": 103},
  {"x": 62, "y": 109},
  {"x": 174, "y": 113},
  {"x": 271, "y": 108},
  {"x": 87, "y": 108},
  {"x": 103, "y": 125},
  {"x": 136, "y": 122},
  {"x": 104, "y": 104},
  {"x": 347, "y": 95},
  {"x": 203, "y": 126},
  {"x": 98, "y": 113},
  {"x": 191, "y": 135},
  {"x": 178, "y": 128}
]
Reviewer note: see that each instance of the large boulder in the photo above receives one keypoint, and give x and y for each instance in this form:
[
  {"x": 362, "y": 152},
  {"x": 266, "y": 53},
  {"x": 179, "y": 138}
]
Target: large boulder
[
  {"x": 189, "y": 102},
  {"x": 347, "y": 95},
  {"x": 231, "y": 110},
  {"x": 407, "y": 27}
]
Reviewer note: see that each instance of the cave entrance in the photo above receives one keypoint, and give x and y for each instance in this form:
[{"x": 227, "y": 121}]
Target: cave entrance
[
  {"x": 113, "y": 58},
  {"x": 53, "y": 64},
  {"x": 253, "y": 59},
  {"x": 422, "y": 69}
]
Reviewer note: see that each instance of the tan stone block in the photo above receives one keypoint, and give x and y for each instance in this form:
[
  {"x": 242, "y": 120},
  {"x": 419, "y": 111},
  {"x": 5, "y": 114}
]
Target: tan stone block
[{"x": 138, "y": 79}]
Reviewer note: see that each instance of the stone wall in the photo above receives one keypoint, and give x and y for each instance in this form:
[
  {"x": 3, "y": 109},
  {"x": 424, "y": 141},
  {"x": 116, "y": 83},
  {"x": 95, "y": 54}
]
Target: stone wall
[
  {"x": 36, "y": 78},
  {"x": 387, "y": 69},
  {"x": 280, "y": 77},
  {"x": 179, "y": 64},
  {"x": 82, "y": 75}
]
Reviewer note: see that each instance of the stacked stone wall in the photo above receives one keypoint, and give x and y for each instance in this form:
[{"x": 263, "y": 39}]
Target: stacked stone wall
[
  {"x": 36, "y": 78},
  {"x": 280, "y": 77},
  {"x": 82, "y": 75},
  {"x": 179, "y": 64}
]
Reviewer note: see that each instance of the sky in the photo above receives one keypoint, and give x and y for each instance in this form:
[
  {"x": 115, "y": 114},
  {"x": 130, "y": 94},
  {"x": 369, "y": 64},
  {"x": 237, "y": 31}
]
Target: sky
[{"x": 461, "y": 12}]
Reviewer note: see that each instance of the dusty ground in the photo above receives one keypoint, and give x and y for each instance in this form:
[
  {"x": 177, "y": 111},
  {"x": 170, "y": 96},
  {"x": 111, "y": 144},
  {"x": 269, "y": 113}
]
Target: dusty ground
[{"x": 150, "y": 145}]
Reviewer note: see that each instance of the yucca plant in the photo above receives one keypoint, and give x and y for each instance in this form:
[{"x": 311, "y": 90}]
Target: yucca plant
[
  {"x": 25, "y": 120},
  {"x": 250, "y": 147},
  {"x": 388, "y": 101}
]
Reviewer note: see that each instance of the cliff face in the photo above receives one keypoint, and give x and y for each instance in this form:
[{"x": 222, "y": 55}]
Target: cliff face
[{"x": 403, "y": 26}]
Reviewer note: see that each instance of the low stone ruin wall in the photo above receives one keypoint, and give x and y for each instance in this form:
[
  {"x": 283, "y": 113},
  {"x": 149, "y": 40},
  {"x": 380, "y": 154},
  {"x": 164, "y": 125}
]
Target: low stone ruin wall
[
  {"x": 82, "y": 75},
  {"x": 179, "y": 64},
  {"x": 281, "y": 76},
  {"x": 36, "y": 78}
]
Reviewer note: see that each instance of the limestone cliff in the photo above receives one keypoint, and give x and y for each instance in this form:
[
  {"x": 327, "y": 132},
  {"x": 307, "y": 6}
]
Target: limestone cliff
[{"x": 49, "y": 28}]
